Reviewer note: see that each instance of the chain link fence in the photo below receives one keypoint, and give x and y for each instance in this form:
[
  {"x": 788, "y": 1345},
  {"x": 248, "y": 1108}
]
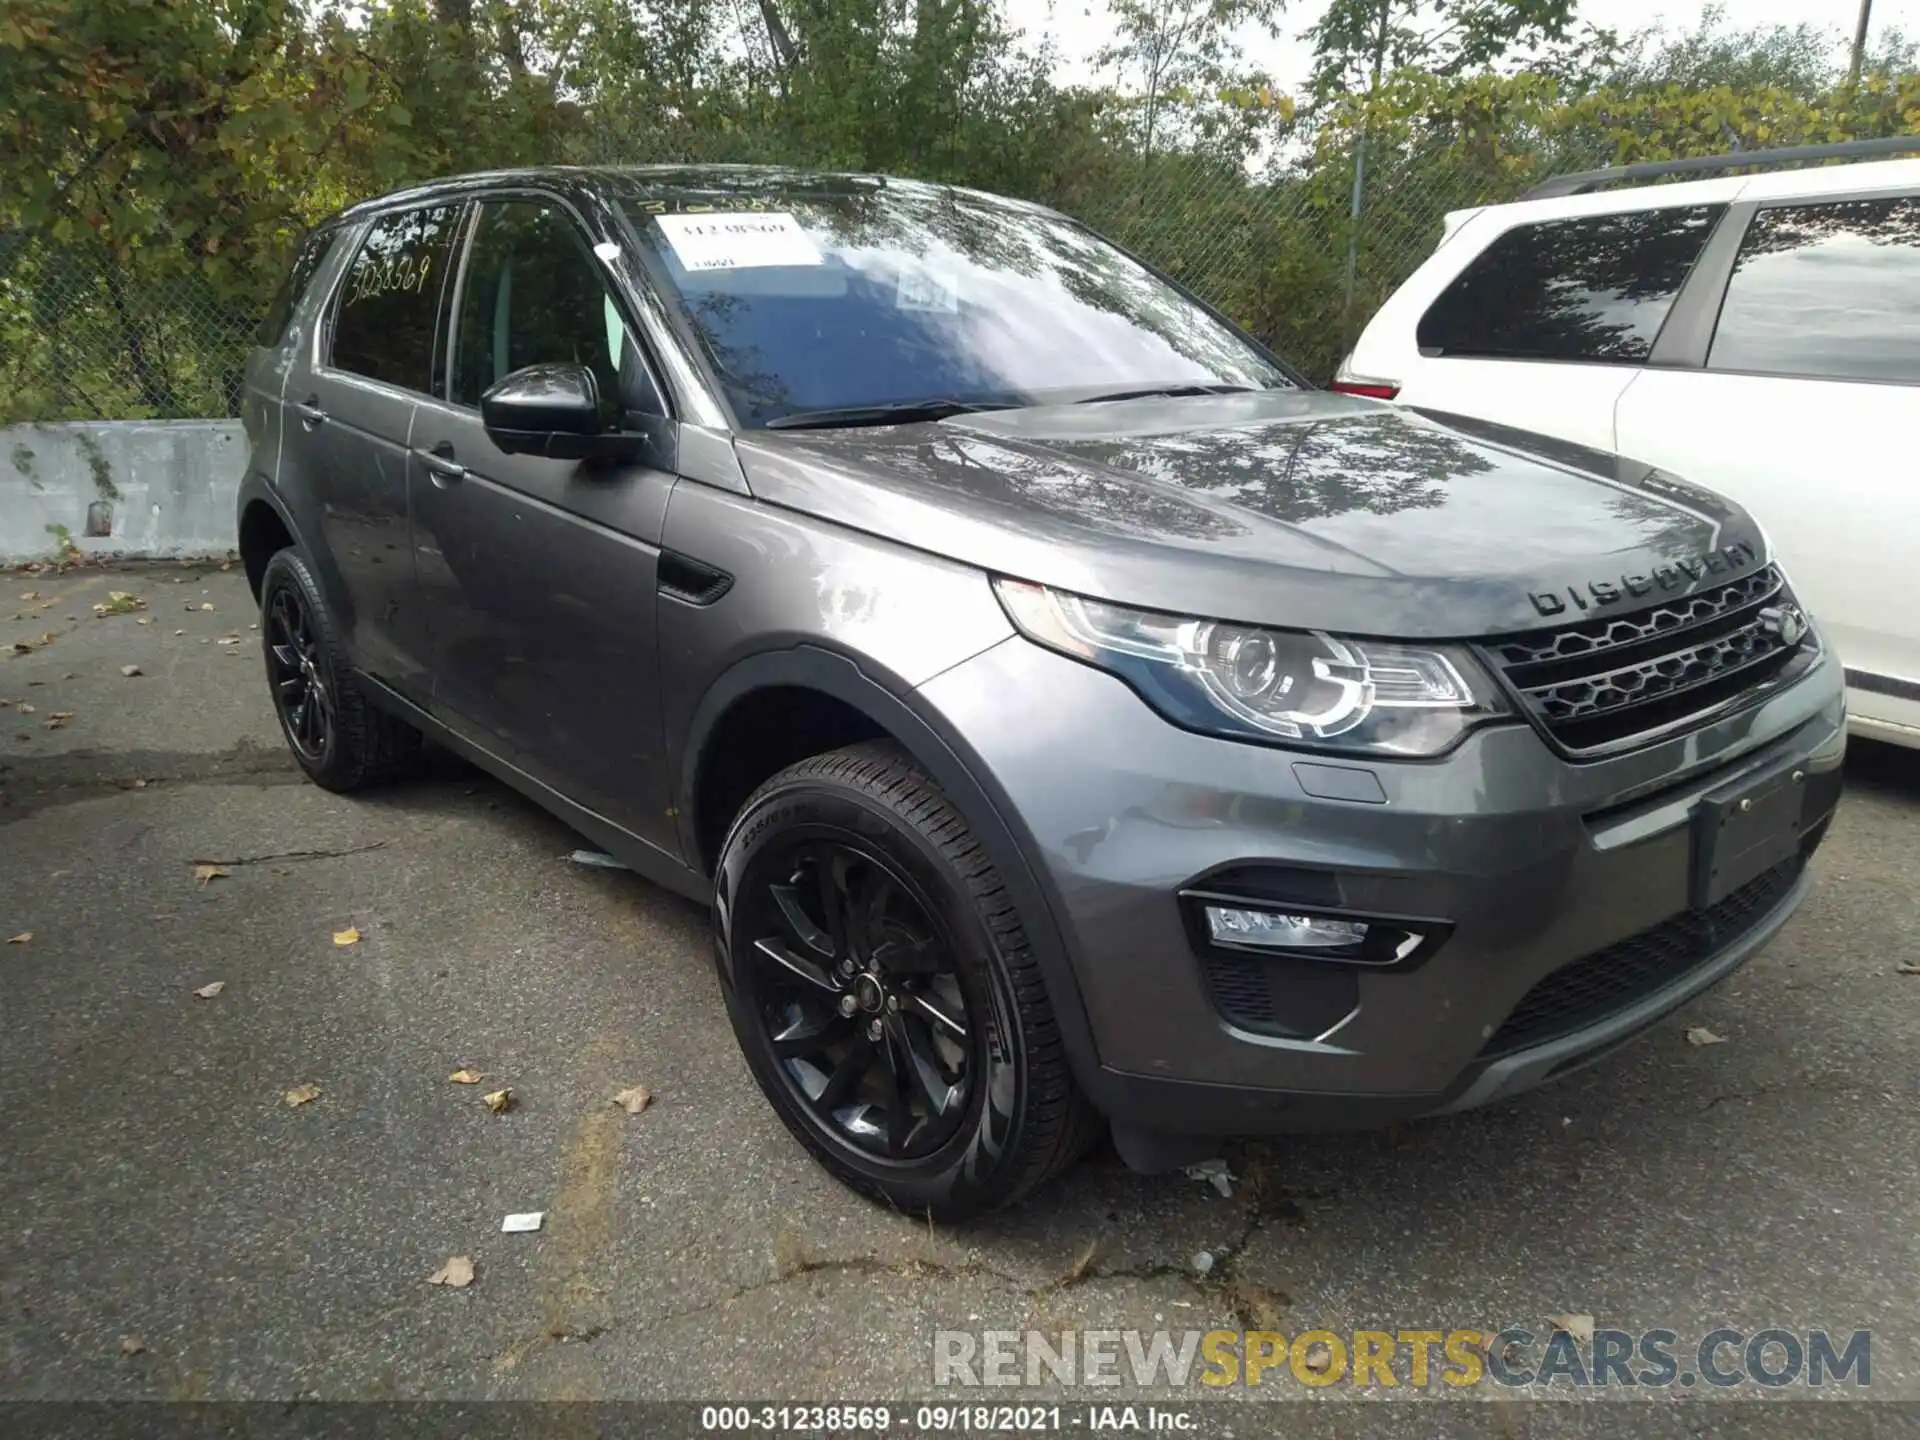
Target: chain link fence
[{"x": 88, "y": 334}]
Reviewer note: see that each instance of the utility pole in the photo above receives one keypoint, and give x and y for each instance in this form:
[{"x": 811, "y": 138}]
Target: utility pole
[{"x": 1859, "y": 44}]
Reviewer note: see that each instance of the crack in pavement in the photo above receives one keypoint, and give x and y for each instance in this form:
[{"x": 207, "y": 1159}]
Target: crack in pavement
[
  {"x": 29, "y": 785},
  {"x": 917, "y": 1268},
  {"x": 296, "y": 855}
]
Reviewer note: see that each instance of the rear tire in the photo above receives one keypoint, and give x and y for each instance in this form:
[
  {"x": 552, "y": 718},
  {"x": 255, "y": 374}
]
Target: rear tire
[
  {"x": 336, "y": 734},
  {"x": 885, "y": 994}
]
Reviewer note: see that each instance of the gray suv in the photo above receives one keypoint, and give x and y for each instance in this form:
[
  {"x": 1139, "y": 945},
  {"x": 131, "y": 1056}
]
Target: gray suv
[{"x": 1071, "y": 716}]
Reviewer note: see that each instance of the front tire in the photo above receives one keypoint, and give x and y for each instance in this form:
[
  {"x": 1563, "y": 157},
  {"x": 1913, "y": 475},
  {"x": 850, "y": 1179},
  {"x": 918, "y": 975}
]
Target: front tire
[
  {"x": 335, "y": 733},
  {"x": 884, "y": 992}
]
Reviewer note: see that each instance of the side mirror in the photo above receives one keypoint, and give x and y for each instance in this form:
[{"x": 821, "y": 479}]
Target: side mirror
[{"x": 553, "y": 410}]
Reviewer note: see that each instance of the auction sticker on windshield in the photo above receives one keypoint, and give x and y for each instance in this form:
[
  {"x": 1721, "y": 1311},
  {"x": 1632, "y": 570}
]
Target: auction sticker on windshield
[{"x": 738, "y": 242}]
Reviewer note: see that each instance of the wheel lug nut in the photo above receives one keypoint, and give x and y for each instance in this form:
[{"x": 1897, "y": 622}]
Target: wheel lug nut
[
  {"x": 848, "y": 1004},
  {"x": 874, "y": 1029},
  {"x": 893, "y": 1003},
  {"x": 846, "y": 967}
]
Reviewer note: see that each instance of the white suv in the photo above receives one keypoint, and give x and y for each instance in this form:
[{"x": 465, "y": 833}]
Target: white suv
[{"x": 1756, "y": 333}]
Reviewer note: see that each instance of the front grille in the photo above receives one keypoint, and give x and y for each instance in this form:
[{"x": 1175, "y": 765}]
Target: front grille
[
  {"x": 1590, "y": 989},
  {"x": 1600, "y": 684}
]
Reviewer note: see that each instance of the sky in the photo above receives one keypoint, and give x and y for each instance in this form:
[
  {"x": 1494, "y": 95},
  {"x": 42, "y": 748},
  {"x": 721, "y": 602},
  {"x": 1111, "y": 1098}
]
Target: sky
[{"x": 1079, "y": 27}]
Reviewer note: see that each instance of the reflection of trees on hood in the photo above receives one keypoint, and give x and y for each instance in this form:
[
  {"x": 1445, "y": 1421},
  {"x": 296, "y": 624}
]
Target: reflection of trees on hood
[
  {"x": 1310, "y": 471},
  {"x": 1025, "y": 483},
  {"x": 1671, "y": 534},
  {"x": 1571, "y": 287}
]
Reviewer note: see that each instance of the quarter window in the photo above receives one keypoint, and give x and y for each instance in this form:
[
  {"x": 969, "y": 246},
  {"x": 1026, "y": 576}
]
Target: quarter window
[
  {"x": 390, "y": 298},
  {"x": 1596, "y": 288},
  {"x": 533, "y": 295},
  {"x": 313, "y": 250},
  {"x": 1829, "y": 290}
]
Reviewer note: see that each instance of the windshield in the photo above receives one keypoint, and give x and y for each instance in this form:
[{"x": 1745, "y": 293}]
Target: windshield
[{"x": 861, "y": 296}]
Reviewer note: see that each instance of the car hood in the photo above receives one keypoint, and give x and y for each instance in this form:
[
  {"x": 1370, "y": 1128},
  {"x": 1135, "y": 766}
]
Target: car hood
[{"x": 1295, "y": 508}]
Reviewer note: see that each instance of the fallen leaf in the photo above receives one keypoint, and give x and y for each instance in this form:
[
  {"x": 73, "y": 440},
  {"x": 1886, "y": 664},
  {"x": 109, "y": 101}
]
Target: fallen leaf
[
  {"x": 1318, "y": 1357},
  {"x": 465, "y": 1075},
  {"x": 24, "y": 708},
  {"x": 1081, "y": 1267},
  {"x": 144, "y": 620},
  {"x": 22, "y": 938},
  {"x": 456, "y": 1274},
  {"x": 302, "y": 1094},
  {"x": 179, "y": 632},
  {"x": 1906, "y": 969},
  {"x": 203, "y": 875},
  {"x": 498, "y": 1101},
  {"x": 119, "y": 602},
  {"x": 1580, "y": 1327},
  {"x": 55, "y": 724},
  {"x": 29, "y": 594},
  {"x": 228, "y": 640},
  {"x": 208, "y": 991},
  {"x": 206, "y": 604},
  {"x": 635, "y": 1100},
  {"x": 131, "y": 1345},
  {"x": 1700, "y": 1035},
  {"x": 348, "y": 936},
  {"x": 63, "y": 714},
  {"x": 1215, "y": 1173},
  {"x": 129, "y": 670}
]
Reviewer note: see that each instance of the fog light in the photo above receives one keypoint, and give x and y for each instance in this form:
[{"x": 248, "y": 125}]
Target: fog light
[{"x": 1271, "y": 930}]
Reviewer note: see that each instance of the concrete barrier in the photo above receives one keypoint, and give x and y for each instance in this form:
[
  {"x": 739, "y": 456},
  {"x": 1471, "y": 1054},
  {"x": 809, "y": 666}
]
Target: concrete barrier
[{"x": 149, "y": 488}]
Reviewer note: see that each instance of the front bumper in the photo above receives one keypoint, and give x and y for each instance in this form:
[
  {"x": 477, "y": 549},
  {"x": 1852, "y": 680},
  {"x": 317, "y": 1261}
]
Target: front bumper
[{"x": 1535, "y": 863}]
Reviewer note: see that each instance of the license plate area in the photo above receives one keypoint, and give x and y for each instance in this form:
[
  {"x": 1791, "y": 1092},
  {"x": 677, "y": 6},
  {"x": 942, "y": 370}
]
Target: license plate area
[{"x": 1744, "y": 829}]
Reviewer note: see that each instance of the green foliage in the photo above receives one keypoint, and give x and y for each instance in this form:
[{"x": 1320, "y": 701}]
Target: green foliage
[
  {"x": 1804, "y": 60},
  {"x": 160, "y": 158},
  {"x": 1357, "y": 41}
]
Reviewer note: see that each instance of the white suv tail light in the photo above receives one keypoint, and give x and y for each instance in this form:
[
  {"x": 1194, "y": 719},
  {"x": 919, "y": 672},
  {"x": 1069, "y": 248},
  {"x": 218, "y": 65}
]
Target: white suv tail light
[{"x": 1374, "y": 388}]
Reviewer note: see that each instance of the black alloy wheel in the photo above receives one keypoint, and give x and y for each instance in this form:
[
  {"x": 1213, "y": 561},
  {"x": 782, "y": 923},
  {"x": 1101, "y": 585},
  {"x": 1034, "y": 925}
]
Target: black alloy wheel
[
  {"x": 297, "y": 671},
  {"x": 880, "y": 981},
  {"x": 336, "y": 733},
  {"x": 860, "y": 999}
]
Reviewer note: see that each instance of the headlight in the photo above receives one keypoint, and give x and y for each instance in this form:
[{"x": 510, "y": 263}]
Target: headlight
[{"x": 1245, "y": 681}]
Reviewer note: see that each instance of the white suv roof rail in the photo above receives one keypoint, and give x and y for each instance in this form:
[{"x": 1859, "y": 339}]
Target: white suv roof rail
[{"x": 1588, "y": 180}]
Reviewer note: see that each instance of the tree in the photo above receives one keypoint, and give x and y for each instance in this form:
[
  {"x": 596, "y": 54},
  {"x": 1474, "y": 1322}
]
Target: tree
[
  {"x": 1180, "y": 49},
  {"x": 1804, "y": 60},
  {"x": 1356, "y": 41}
]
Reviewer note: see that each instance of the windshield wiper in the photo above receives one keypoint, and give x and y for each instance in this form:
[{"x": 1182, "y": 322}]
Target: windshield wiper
[
  {"x": 900, "y": 412},
  {"x": 1171, "y": 392}
]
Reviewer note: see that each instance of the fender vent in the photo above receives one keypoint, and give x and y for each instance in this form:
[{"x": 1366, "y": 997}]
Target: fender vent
[{"x": 687, "y": 579}]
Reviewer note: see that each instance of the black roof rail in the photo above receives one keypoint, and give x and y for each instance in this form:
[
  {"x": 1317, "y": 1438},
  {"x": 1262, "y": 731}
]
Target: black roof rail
[{"x": 1589, "y": 180}]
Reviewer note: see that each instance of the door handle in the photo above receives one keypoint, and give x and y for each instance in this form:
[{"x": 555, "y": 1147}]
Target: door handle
[
  {"x": 310, "y": 412},
  {"x": 440, "y": 464}
]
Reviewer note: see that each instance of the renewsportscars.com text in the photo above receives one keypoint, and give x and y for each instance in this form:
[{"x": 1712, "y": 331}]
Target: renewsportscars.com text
[{"x": 1516, "y": 1357}]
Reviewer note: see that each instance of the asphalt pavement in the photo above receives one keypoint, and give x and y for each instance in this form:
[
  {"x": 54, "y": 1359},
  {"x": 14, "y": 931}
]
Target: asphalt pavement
[{"x": 171, "y": 1227}]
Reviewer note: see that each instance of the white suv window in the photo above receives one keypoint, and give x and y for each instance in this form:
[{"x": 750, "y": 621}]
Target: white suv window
[
  {"x": 1830, "y": 291},
  {"x": 1593, "y": 288}
]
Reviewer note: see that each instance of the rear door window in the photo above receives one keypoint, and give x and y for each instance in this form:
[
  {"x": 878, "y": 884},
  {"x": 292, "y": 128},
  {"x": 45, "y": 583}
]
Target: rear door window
[
  {"x": 1830, "y": 291},
  {"x": 383, "y": 327},
  {"x": 1596, "y": 288}
]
